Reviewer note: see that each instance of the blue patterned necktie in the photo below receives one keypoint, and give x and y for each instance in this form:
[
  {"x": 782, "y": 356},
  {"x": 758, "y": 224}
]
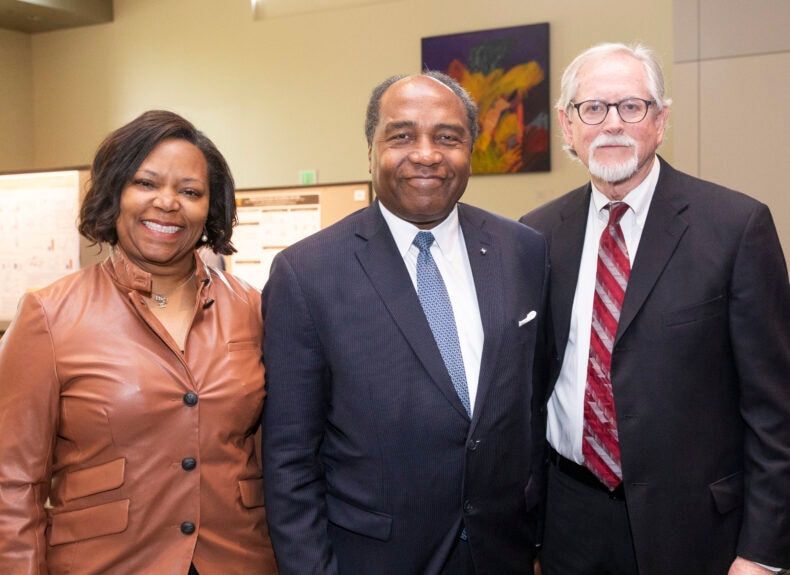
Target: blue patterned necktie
[{"x": 439, "y": 312}]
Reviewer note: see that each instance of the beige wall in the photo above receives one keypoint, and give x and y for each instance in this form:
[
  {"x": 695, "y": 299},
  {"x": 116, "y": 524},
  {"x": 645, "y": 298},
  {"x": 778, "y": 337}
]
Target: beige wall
[
  {"x": 16, "y": 102},
  {"x": 731, "y": 113},
  {"x": 289, "y": 93}
]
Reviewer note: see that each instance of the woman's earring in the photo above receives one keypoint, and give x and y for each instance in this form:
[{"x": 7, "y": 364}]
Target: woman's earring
[{"x": 204, "y": 237}]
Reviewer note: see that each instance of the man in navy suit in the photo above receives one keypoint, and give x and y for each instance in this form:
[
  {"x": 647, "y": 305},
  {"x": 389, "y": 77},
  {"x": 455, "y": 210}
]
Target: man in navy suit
[
  {"x": 700, "y": 359},
  {"x": 373, "y": 463}
]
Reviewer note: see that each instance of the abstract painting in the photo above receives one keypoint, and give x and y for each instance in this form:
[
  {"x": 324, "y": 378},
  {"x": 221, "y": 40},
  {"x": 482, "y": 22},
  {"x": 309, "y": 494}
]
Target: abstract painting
[{"x": 506, "y": 72}]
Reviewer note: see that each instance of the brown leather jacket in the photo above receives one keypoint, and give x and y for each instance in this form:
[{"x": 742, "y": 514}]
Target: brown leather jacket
[{"x": 119, "y": 454}]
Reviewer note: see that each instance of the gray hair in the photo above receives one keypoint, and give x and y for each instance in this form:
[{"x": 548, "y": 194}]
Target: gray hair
[
  {"x": 570, "y": 78},
  {"x": 374, "y": 105}
]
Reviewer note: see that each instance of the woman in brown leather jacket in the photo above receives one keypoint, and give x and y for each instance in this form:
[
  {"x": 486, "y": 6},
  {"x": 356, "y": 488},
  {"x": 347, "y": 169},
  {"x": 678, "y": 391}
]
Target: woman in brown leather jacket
[{"x": 131, "y": 391}]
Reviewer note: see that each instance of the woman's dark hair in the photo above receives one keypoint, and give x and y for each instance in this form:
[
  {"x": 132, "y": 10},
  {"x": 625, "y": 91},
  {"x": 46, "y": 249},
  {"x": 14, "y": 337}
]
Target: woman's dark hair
[{"x": 118, "y": 159}]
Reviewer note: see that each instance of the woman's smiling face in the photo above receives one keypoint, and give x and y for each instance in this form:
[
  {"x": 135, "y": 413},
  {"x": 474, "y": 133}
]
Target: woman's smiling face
[{"x": 164, "y": 207}]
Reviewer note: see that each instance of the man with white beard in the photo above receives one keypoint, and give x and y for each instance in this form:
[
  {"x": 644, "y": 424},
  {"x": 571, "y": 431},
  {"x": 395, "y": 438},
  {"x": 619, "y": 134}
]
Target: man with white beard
[{"x": 668, "y": 402}]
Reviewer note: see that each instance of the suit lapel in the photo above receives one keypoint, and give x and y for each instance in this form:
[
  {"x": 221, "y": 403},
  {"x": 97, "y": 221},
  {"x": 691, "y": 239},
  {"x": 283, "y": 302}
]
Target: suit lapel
[
  {"x": 485, "y": 260},
  {"x": 664, "y": 227},
  {"x": 384, "y": 266},
  {"x": 566, "y": 244}
]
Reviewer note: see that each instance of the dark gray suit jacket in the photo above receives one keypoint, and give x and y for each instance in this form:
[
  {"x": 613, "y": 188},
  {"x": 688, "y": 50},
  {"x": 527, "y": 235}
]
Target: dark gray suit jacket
[
  {"x": 700, "y": 371},
  {"x": 371, "y": 463}
]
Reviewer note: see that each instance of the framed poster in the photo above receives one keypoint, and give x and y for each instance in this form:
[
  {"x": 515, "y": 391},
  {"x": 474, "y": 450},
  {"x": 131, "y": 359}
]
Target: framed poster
[
  {"x": 506, "y": 72},
  {"x": 271, "y": 219}
]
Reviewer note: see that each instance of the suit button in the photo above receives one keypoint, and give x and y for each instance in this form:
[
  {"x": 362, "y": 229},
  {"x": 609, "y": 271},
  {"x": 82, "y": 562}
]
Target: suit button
[
  {"x": 473, "y": 444},
  {"x": 187, "y": 528},
  {"x": 188, "y": 463},
  {"x": 468, "y": 507},
  {"x": 190, "y": 399}
]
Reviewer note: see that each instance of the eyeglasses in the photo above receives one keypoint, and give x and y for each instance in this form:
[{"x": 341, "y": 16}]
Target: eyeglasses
[{"x": 631, "y": 110}]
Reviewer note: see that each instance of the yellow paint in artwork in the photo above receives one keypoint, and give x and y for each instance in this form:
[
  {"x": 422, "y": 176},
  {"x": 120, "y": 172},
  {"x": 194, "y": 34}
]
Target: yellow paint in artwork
[{"x": 499, "y": 97}]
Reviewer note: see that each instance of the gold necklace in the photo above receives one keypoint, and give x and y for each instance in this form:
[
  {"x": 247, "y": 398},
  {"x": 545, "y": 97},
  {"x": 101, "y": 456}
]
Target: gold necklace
[{"x": 161, "y": 299}]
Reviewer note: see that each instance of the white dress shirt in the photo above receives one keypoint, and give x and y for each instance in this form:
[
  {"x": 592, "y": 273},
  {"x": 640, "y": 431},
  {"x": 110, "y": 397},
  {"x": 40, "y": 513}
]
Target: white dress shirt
[
  {"x": 566, "y": 404},
  {"x": 452, "y": 259}
]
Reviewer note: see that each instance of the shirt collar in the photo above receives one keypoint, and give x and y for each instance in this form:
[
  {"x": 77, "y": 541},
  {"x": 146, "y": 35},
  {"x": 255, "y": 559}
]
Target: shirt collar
[
  {"x": 637, "y": 199},
  {"x": 445, "y": 234}
]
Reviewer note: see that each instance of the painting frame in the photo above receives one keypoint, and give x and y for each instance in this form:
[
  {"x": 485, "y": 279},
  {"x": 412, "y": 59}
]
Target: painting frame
[{"x": 506, "y": 72}]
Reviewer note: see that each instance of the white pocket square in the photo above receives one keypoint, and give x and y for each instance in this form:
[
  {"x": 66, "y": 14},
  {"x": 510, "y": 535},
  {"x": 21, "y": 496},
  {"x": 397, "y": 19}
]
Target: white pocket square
[{"x": 530, "y": 316}]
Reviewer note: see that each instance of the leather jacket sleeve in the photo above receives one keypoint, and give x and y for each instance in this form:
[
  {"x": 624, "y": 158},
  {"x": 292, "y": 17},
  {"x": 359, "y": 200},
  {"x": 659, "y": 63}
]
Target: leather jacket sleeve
[{"x": 29, "y": 404}]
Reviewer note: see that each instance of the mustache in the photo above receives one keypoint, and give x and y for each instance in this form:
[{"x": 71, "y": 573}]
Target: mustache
[{"x": 609, "y": 140}]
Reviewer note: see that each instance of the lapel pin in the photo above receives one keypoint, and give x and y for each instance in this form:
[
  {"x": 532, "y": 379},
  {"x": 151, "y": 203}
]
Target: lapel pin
[{"x": 483, "y": 251}]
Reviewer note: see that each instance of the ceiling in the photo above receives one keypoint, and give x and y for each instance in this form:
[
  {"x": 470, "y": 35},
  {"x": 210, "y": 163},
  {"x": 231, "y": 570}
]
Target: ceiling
[{"x": 34, "y": 16}]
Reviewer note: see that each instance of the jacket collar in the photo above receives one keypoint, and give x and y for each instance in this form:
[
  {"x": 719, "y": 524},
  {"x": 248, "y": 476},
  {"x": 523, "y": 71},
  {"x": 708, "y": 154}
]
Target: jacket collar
[{"x": 130, "y": 276}]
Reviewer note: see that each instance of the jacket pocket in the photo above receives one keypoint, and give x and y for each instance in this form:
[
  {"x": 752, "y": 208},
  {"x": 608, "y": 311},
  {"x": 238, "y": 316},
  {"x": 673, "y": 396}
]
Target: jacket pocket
[
  {"x": 96, "y": 479},
  {"x": 728, "y": 492},
  {"x": 251, "y": 492},
  {"x": 696, "y": 312},
  {"x": 246, "y": 345},
  {"x": 358, "y": 520},
  {"x": 94, "y": 521}
]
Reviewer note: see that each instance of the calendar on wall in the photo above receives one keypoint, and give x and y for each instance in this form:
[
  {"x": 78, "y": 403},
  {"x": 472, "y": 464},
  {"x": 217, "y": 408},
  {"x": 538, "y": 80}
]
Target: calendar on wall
[{"x": 38, "y": 224}]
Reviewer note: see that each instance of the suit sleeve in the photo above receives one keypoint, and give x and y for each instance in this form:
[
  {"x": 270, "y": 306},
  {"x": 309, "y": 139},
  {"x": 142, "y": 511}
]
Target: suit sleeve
[
  {"x": 29, "y": 400},
  {"x": 541, "y": 380},
  {"x": 760, "y": 335},
  {"x": 297, "y": 380}
]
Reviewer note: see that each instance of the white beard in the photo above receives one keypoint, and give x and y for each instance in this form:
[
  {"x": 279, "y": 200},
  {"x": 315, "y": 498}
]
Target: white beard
[{"x": 618, "y": 172}]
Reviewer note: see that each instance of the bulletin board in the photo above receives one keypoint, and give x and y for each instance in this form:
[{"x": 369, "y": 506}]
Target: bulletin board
[
  {"x": 40, "y": 241},
  {"x": 38, "y": 227},
  {"x": 270, "y": 219}
]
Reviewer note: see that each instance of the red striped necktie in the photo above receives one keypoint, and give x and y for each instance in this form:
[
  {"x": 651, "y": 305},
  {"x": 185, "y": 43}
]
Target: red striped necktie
[{"x": 600, "y": 446}]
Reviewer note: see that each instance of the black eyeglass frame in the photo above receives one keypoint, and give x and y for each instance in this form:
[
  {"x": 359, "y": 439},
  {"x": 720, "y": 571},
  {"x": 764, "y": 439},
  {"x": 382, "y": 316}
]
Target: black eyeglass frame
[{"x": 616, "y": 106}]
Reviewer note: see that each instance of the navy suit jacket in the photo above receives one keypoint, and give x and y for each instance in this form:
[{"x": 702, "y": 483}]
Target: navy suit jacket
[
  {"x": 700, "y": 373},
  {"x": 371, "y": 464}
]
